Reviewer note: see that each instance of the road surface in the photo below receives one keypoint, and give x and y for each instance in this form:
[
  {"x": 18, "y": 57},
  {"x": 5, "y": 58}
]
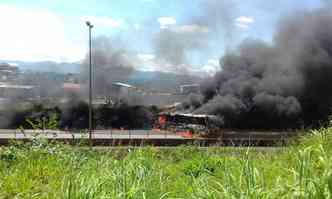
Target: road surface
[
  {"x": 152, "y": 137},
  {"x": 97, "y": 134}
]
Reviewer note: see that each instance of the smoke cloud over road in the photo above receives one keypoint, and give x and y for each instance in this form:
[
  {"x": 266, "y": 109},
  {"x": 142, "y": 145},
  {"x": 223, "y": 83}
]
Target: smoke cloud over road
[
  {"x": 279, "y": 85},
  {"x": 111, "y": 63}
]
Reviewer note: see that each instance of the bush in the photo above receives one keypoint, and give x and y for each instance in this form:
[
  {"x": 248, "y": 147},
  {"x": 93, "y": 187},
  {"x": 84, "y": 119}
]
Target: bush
[{"x": 39, "y": 114}]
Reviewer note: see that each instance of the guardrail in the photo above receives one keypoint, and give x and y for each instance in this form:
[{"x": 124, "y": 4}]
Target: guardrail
[{"x": 151, "y": 137}]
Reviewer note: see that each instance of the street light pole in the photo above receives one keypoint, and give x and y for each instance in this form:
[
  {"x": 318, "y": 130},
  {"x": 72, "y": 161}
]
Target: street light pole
[{"x": 90, "y": 83}]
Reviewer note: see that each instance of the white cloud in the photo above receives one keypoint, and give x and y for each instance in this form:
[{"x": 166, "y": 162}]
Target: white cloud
[
  {"x": 244, "y": 22},
  {"x": 245, "y": 19},
  {"x": 149, "y": 62},
  {"x": 13, "y": 64},
  {"x": 242, "y": 26},
  {"x": 103, "y": 21},
  {"x": 213, "y": 62},
  {"x": 146, "y": 62},
  {"x": 166, "y": 22},
  {"x": 34, "y": 34},
  {"x": 211, "y": 67},
  {"x": 146, "y": 57},
  {"x": 193, "y": 28}
]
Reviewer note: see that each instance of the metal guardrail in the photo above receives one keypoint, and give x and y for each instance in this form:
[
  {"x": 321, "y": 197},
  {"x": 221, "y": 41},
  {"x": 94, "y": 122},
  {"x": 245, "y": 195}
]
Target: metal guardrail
[{"x": 152, "y": 137}]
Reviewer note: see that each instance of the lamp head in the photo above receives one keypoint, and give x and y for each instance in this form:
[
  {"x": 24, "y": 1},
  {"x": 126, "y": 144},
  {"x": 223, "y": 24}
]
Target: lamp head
[{"x": 89, "y": 24}]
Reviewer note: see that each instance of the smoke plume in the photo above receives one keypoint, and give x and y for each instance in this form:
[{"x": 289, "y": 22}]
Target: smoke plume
[
  {"x": 280, "y": 85},
  {"x": 215, "y": 22},
  {"x": 111, "y": 63},
  {"x": 172, "y": 47}
]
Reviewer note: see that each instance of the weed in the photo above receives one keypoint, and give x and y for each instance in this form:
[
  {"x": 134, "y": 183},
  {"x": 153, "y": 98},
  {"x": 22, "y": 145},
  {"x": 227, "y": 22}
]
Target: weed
[{"x": 45, "y": 170}]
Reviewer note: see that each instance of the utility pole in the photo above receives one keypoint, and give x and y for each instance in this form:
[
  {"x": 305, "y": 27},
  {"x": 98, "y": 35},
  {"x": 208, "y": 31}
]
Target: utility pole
[{"x": 90, "y": 84}]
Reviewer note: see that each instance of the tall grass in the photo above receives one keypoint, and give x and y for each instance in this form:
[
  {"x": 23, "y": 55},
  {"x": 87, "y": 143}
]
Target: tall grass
[{"x": 41, "y": 170}]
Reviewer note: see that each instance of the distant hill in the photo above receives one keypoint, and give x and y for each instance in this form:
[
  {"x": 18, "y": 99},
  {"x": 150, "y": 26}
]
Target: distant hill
[
  {"x": 45, "y": 66},
  {"x": 153, "y": 80}
]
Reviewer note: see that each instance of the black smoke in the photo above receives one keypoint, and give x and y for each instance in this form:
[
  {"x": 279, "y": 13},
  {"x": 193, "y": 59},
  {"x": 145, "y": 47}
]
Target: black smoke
[
  {"x": 76, "y": 116},
  {"x": 286, "y": 84},
  {"x": 111, "y": 62}
]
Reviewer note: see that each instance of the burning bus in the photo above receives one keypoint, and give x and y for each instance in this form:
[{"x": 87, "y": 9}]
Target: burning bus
[{"x": 188, "y": 123}]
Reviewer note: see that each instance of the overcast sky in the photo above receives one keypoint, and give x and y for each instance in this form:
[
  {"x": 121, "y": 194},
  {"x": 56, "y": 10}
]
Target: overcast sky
[{"x": 54, "y": 30}]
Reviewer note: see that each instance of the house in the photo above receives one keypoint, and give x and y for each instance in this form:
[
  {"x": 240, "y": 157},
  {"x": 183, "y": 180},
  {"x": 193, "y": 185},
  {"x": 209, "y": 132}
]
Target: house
[{"x": 190, "y": 88}]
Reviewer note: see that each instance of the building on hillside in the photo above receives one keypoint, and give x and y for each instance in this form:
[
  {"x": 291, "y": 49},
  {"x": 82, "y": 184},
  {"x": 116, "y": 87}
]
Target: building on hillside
[
  {"x": 190, "y": 88},
  {"x": 8, "y": 72},
  {"x": 71, "y": 87},
  {"x": 17, "y": 91},
  {"x": 140, "y": 96},
  {"x": 71, "y": 78},
  {"x": 124, "y": 92},
  {"x": 10, "y": 88}
]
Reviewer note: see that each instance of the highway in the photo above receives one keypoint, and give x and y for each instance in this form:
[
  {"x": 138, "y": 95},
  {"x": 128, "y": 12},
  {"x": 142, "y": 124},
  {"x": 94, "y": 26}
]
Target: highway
[
  {"x": 97, "y": 134},
  {"x": 151, "y": 137}
]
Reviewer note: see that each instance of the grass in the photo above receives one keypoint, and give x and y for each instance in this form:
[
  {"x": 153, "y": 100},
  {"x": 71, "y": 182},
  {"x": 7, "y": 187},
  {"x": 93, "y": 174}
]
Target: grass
[{"x": 41, "y": 170}]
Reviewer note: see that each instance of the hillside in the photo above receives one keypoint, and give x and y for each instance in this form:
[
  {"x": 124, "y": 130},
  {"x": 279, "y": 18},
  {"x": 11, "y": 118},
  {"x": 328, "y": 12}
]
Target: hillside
[{"x": 151, "y": 80}]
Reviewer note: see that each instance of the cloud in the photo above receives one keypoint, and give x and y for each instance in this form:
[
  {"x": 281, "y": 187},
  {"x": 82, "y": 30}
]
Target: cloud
[
  {"x": 244, "y": 22},
  {"x": 211, "y": 67},
  {"x": 147, "y": 62},
  {"x": 146, "y": 57},
  {"x": 166, "y": 22},
  {"x": 242, "y": 26},
  {"x": 150, "y": 62},
  {"x": 103, "y": 21},
  {"x": 35, "y": 35},
  {"x": 193, "y": 28},
  {"x": 245, "y": 19}
]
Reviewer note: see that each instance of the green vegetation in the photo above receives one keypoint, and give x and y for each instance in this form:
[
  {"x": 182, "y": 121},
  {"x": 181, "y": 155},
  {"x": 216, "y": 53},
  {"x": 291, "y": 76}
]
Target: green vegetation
[{"x": 43, "y": 170}]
